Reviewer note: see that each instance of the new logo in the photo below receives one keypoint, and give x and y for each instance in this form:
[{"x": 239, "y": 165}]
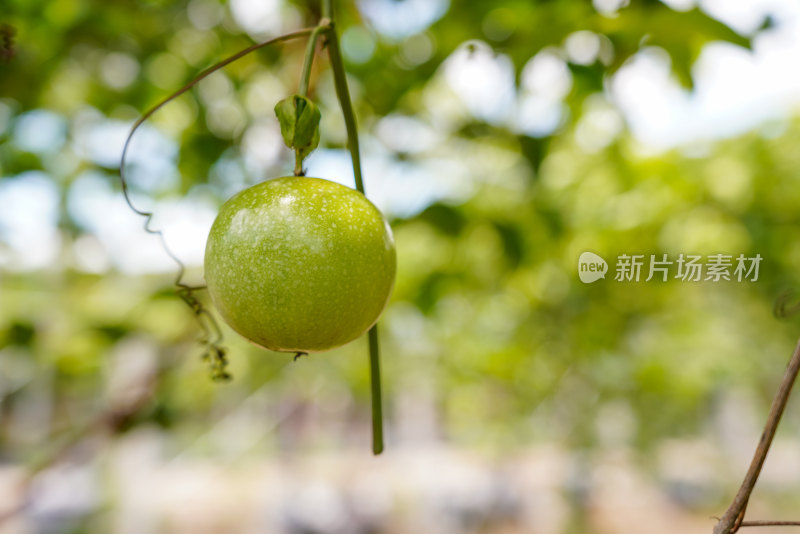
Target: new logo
[{"x": 591, "y": 267}]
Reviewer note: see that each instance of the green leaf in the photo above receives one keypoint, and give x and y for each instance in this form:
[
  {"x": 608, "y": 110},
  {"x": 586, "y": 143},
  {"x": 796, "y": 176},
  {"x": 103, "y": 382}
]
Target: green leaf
[
  {"x": 299, "y": 119},
  {"x": 285, "y": 111},
  {"x": 306, "y": 150}
]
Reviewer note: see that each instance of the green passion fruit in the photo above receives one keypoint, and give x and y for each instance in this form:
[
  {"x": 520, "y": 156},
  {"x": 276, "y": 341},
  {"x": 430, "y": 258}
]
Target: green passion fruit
[{"x": 298, "y": 264}]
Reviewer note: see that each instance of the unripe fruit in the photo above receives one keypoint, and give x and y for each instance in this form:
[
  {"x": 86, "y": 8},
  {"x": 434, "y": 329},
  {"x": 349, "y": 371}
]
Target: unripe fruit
[{"x": 300, "y": 264}]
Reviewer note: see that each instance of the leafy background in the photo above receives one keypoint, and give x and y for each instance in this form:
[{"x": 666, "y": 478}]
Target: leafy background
[{"x": 518, "y": 399}]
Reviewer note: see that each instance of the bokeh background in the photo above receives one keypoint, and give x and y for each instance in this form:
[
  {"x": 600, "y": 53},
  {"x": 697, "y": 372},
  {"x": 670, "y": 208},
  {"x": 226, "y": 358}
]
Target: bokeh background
[{"x": 503, "y": 139}]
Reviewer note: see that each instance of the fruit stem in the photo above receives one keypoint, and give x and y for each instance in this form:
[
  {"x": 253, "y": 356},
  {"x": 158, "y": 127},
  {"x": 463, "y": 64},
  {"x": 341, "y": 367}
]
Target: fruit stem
[
  {"x": 311, "y": 48},
  {"x": 343, "y": 93},
  {"x": 305, "y": 77},
  {"x": 298, "y": 163}
]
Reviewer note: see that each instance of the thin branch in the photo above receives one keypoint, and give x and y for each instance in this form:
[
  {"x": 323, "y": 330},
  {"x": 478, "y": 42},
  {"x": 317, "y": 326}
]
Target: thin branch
[
  {"x": 733, "y": 518},
  {"x": 768, "y": 523}
]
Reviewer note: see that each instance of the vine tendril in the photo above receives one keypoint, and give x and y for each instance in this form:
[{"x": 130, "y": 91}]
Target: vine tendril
[{"x": 214, "y": 353}]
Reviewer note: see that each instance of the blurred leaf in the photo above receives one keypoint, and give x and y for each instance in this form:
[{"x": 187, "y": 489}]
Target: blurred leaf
[{"x": 19, "y": 333}]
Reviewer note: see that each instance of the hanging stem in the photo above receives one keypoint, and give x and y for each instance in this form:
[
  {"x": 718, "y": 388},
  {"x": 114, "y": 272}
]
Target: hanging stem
[
  {"x": 343, "y": 93},
  {"x": 734, "y": 515},
  {"x": 377, "y": 397}
]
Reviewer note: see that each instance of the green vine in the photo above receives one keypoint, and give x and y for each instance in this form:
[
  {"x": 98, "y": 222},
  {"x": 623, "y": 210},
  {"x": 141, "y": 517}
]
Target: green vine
[{"x": 343, "y": 93}]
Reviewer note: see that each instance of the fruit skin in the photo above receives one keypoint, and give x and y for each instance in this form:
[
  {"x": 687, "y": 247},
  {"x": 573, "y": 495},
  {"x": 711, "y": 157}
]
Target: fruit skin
[{"x": 299, "y": 264}]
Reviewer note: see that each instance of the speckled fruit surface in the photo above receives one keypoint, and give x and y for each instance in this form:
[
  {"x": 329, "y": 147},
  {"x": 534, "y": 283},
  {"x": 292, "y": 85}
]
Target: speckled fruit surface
[{"x": 300, "y": 264}]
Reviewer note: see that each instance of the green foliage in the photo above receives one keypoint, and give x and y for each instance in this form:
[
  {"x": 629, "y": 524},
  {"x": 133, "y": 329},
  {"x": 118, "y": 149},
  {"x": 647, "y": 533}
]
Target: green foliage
[{"x": 488, "y": 321}]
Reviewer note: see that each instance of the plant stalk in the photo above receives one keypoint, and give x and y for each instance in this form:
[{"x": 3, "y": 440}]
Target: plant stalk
[
  {"x": 377, "y": 397},
  {"x": 343, "y": 94}
]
